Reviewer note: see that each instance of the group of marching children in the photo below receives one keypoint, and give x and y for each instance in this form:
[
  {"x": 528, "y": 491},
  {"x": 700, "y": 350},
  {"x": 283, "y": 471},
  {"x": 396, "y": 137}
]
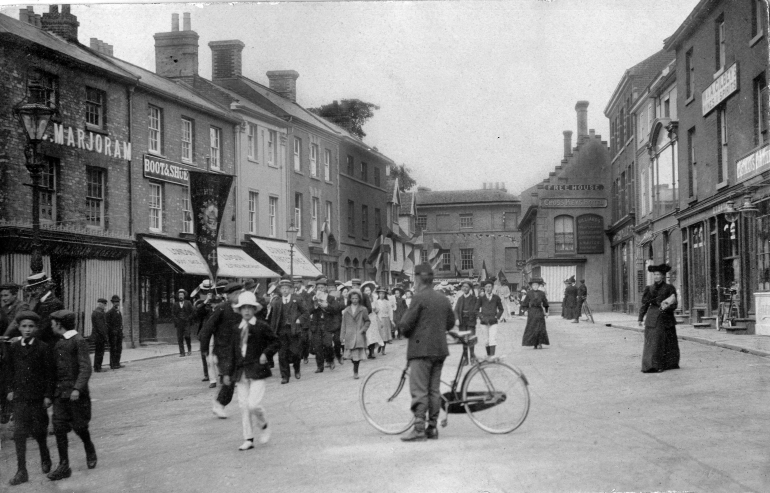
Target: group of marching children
[{"x": 335, "y": 321}]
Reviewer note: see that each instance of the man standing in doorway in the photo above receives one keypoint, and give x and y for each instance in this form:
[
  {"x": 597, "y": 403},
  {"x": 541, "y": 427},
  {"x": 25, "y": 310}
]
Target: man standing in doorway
[
  {"x": 114, "y": 319},
  {"x": 99, "y": 333},
  {"x": 426, "y": 323}
]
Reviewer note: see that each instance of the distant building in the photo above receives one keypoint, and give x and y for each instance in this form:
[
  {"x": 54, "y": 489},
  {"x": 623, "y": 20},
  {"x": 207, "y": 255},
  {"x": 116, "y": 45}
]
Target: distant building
[
  {"x": 563, "y": 228},
  {"x": 473, "y": 228}
]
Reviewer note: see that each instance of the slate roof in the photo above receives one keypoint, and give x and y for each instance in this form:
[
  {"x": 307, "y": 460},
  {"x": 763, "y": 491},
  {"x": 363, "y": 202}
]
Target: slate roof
[
  {"x": 75, "y": 51},
  {"x": 641, "y": 75},
  {"x": 425, "y": 197},
  {"x": 178, "y": 91}
]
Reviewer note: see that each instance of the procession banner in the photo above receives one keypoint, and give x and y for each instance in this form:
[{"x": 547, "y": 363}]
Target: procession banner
[{"x": 208, "y": 197}]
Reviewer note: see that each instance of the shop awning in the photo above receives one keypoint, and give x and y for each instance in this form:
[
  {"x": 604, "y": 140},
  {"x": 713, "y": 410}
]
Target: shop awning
[
  {"x": 276, "y": 255},
  {"x": 183, "y": 256}
]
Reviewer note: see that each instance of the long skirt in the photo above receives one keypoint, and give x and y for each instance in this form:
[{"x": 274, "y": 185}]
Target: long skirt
[
  {"x": 534, "y": 332},
  {"x": 661, "y": 349},
  {"x": 373, "y": 332},
  {"x": 385, "y": 329}
]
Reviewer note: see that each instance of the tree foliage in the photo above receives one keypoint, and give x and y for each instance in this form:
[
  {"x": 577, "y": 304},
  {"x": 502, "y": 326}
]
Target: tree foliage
[
  {"x": 405, "y": 180},
  {"x": 350, "y": 114}
]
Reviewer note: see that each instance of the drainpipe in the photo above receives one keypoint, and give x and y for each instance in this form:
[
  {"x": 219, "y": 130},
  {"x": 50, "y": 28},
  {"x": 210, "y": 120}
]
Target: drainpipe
[
  {"x": 236, "y": 182},
  {"x": 132, "y": 256}
]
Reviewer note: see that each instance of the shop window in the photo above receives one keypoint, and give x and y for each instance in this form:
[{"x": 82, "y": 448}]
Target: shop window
[
  {"x": 564, "y": 234},
  {"x": 466, "y": 258},
  {"x": 187, "y": 140},
  {"x": 95, "y": 197},
  {"x": 95, "y": 107}
]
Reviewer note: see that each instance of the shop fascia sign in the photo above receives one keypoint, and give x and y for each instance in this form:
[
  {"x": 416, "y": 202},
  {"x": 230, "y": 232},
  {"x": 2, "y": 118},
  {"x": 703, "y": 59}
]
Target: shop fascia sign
[
  {"x": 90, "y": 141},
  {"x": 559, "y": 203},
  {"x": 574, "y": 188},
  {"x": 752, "y": 165},
  {"x": 719, "y": 90},
  {"x": 158, "y": 168}
]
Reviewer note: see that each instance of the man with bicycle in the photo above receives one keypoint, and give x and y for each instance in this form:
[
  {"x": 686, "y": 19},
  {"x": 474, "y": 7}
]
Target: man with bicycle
[{"x": 425, "y": 324}]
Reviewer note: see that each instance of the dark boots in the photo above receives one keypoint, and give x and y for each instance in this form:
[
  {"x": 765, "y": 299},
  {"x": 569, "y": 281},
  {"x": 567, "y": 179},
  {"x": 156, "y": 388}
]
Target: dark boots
[
  {"x": 491, "y": 350},
  {"x": 355, "y": 369},
  {"x": 417, "y": 434},
  {"x": 62, "y": 471}
]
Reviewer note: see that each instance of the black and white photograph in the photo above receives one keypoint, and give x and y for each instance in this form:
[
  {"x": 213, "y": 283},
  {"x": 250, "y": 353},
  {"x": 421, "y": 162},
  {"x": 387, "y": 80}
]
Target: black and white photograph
[{"x": 377, "y": 246}]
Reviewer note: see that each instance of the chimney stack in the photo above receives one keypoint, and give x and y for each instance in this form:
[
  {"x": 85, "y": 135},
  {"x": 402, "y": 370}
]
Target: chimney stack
[
  {"x": 64, "y": 24},
  {"x": 582, "y": 119},
  {"x": 567, "y": 143},
  {"x": 226, "y": 59},
  {"x": 284, "y": 82},
  {"x": 176, "y": 52},
  {"x": 186, "y": 23}
]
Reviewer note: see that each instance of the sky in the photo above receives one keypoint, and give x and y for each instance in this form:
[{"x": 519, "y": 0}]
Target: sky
[{"x": 469, "y": 92}]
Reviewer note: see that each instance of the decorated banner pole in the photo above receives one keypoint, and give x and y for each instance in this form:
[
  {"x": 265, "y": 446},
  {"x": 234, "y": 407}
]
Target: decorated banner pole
[{"x": 208, "y": 198}]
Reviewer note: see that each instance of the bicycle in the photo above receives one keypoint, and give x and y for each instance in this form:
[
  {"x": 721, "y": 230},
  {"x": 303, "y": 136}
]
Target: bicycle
[
  {"x": 727, "y": 311},
  {"x": 495, "y": 395},
  {"x": 587, "y": 312}
]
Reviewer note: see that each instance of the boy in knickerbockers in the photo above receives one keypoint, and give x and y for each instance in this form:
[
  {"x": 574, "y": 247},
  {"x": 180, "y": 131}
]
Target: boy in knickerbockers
[
  {"x": 30, "y": 388},
  {"x": 72, "y": 401}
]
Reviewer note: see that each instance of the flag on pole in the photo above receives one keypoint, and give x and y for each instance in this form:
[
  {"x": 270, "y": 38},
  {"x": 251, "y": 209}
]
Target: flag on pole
[
  {"x": 325, "y": 232},
  {"x": 376, "y": 248},
  {"x": 208, "y": 198},
  {"x": 501, "y": 277},
  {"x": 484, "y": 275}
]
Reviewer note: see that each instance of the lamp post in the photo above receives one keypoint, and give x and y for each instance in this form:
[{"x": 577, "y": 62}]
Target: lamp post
[
  {"x": 35, "y": 117},
  {"x": 291, "y": 235}
]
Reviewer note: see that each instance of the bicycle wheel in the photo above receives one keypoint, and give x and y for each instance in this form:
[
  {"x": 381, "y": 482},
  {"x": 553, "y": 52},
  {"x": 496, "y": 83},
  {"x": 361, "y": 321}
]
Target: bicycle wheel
[
  {"x": 386, "y": 401},
  {"x": 587, "y": 310},
  {"x": 497, "y": 397}
]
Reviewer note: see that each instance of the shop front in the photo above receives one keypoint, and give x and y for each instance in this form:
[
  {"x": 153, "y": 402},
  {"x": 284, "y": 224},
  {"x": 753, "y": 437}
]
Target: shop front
[
  {"x": 167, "y": 265},
  {"x": 623, "y": 267}
]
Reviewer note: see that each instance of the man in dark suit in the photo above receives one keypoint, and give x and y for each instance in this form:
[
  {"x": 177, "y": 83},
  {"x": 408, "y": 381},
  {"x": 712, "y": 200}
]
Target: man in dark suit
[
  {"x": 322, "y": 323},
  {"x": 182, "y": 314},
  {"x": 99, "y": 332},
  {"x": 286, "y": 315},
  {"x": 466, "y": 311},
  {"x": 426, "y": 323},
  {"x": 114, "y": 321},
  {"x": 223, "y": 326},
  {"x": 306, "y": 295},
  {"x": 202, "y": 309},
  {"x": 44, "y": 303},
  {"x": 581, "y": 298},
  {"x": 30, "y": 376}
]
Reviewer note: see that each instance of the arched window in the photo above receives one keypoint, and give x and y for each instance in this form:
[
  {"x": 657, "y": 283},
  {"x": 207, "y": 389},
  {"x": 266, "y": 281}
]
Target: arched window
[
  {"x": 348, "y": 269},
  {"x": 564, "y": 233},
  {"x": 356, "y": 270}
]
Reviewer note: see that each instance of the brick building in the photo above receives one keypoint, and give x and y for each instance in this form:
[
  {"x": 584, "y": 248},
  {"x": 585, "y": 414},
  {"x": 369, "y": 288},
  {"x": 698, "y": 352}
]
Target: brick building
[
  {"x": 86, "y": 182},
  {"x": 723, "y": 160},
  {"x": 625, "y": 161},
  {"x": 473, "y": 228},
  {"x": 563, "y": 225}
]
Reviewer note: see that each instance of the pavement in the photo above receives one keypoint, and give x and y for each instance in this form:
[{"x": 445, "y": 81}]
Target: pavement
[{"x": 596, "y": 423}]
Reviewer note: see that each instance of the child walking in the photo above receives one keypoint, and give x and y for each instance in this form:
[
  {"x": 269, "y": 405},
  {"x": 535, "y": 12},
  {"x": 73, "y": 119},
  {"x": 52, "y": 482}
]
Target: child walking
[
  {"x": 30, "y": 388},
  {"x": 355, "y": 322},
  {"x": 72, "y": 400},
  {"x": 251, "y": 353}
]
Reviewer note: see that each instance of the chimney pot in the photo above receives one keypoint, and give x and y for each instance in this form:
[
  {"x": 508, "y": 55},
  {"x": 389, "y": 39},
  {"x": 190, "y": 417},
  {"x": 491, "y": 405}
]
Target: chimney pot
[
  {"x": 65, "y": 9},
  {"x": 53, "y": 9},
  {"x": 186, "y": 24},
  {"x": 109, "y": 50},
  {"x": 38, "y": 21},
  {"x": 567, "y": 143},
  {"x": 582, "y": 119},
  {"x": 174, "y": 22},
  {"x": 92, "y": 43},
  {"x": 284, "y": 82}
]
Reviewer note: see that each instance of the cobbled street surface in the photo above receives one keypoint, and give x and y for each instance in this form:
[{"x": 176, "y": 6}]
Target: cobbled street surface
[{"x": 596, "y": 423}]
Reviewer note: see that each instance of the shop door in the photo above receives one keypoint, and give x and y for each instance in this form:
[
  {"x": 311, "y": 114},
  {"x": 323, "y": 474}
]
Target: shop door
[{"x": 147, "y": 315}]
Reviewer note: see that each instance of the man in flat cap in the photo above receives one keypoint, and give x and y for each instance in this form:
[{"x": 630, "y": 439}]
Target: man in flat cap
[
  {"x": 114, "y": 319},
  {"x": 426, "y": 323},
  {"x": 223, "y": 326},
  {"x": 99, "y": 332}
]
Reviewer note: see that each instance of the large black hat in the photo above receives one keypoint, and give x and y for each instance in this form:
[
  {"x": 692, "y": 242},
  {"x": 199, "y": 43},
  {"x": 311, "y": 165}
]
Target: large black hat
[{"x": 662, "y": 268}]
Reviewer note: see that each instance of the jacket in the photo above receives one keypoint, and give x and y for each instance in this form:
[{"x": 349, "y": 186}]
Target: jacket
[
  {"x": 45, "y": 306},
  {"x": 353, "y": 332},
  {"x": 490, "y": 309},
  {"x": 324, "y": 319},
  {"x": 582, "y": 292},
  {"x": 466, "y": 310},
  {"x": 383, "y": 308},
  {"x": 261, "y": 340},
  {"x": 73, "y": 366},
  {"x": 30, "y": 371},
  {"x": 9, "y": 312},
  {"x": 182, "y": 315},
  {"x": 98, "y": 324},
  {"x": 426, "y": 324},
  {"x": 201, "y": 311},
  {"x": 114, "y": 320},
  {"x": 222, "y": 324},
  {"x": 399, "y": 309},
  {"x": 652, "y": 297},
  {"x": 296, "y": 315}
]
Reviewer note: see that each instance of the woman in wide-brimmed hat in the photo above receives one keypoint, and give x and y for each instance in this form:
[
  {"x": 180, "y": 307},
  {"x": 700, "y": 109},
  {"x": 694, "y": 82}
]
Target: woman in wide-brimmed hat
[
  {"x": 373, "y": 338},
  {"x": 355, "y": 322},
  {"x": 659, "y": 300},
  {"x": 384, "y": 310},
  {"x": 536, "y": 305}
]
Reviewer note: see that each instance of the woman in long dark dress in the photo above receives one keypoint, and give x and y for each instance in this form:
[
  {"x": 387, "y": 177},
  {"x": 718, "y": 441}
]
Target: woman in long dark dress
[
  {"x": 536, "y": 305},
  {"x": 659, "y": 300}
]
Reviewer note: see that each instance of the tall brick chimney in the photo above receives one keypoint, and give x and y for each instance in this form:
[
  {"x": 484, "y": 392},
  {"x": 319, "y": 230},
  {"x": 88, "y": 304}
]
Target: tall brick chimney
[
  {"x": 582, "y": 119},
  {"x": 567, "y": 143},
  {"x": 176, "y": 52},
  {"x": 226, "y": 58},
  {"x": 284, "y": 82},
  {"x": 64, "y": 24}
]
